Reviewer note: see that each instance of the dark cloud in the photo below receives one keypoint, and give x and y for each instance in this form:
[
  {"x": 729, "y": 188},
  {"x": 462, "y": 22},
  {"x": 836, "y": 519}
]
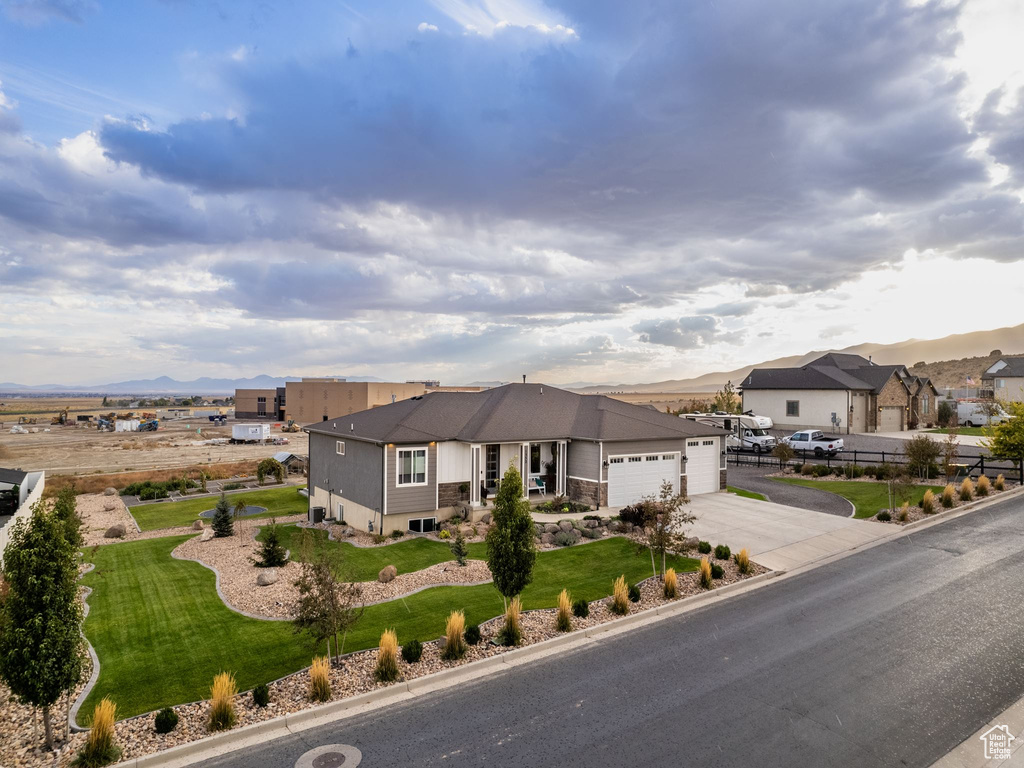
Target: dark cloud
[{"x": 686, "y": 332}]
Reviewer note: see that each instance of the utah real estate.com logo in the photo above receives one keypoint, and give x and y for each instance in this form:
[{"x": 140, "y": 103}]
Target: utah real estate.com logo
[{"x": 997, "y": 741}]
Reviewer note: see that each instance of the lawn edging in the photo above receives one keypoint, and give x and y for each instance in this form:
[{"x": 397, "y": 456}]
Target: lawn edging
[{"x": 295, "y": 722}]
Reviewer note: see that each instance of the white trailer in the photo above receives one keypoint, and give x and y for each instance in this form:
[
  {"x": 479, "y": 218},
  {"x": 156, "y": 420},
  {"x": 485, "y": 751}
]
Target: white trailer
[
  {"x": 126, "y": 425},
  {"x": 250, "y": 433}
]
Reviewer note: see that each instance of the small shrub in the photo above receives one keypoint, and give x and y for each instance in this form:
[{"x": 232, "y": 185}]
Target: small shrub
[
  {"x": 856, "y": 471},
  {"x": 717, "y": 571},
  {"x": 928, "y": 502},
  {"x": 884, "y": 516},
  {"x": 1000, "y": 483},
  {"x": 722, "y": 552},
  {"x": 705, "y": 573},
  {"x": 966, "y": 490},
  {"x": 444, "y": 534},
  {"x": 397, "y": 534},
  {"x": 320, "y": 679},
  {"x": 904, "y": 514},
  {"x": 821, "y": 470},
  {"x": 454, "y": 645},
  {"x": 271, "y": 553},
  {"x": 412, "y": 651},
  {"x": 222, "y": 702},
  {"x": 387, "y": 658},
  {"x": 564, "y": 539},
  {"x": 166, "y": 720},
  {"x": 379, "y": 538},
  {"x": 99, "y": 748},
  {"x": 591, "y": 517},
  {"x": 948, "y": 496},
  {"x": 580, "y": 608},
  {"x": 742, "y": 559},
  {"x": 232, "y": 486},
  {"x": 704, "y": 547},
  {"x": 670, "y": 587},
  {"x": 261, "y": 695},
  {"x": 620, "y": 597},
  {"x": 512, "y": 630},
  {"x": 984, "y": 487},
  {"x": 634, "y": 593},
  {"x": 807, "y": 469},
  {"x": 563, "y": 620},
  {"x": 472, "y": 634}
]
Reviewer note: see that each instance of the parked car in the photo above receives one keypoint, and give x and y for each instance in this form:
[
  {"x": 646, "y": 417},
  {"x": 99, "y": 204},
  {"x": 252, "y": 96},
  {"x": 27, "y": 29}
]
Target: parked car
[
  {"x": 972, "y": 413},
  {"x": 815, "y": 440}
]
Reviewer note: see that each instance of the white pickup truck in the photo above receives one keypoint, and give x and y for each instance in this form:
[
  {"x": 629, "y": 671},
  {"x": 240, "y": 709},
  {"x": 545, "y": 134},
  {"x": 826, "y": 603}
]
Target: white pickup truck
[{"x": 815, "y": 440}]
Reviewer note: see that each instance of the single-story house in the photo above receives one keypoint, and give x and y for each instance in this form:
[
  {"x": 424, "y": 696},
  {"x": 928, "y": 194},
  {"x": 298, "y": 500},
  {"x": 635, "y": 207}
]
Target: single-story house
[
  {"x": 853, "y": 391},
  {"x": 1005, "y": 377},
  {"x": 408, "y": 465},
  {"x": 18, "y": 492}
]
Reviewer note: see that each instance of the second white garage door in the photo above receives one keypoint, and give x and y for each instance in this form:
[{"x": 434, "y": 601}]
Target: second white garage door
[
  {"x": 702, "y": 470},
  {"x": 890, "y": 419},
  {"x": 630, "y": 478}
]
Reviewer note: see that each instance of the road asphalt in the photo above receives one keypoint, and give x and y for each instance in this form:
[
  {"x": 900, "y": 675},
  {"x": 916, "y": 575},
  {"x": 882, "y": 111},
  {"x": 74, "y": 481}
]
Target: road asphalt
[
  {"x": 751, "y": 478},
  {"x": 889, "y": 657}
]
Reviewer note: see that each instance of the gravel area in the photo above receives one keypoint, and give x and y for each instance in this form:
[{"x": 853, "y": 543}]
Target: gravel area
[
  {"x": 915, "y": 513},
  {"x": 760, "y": 481},
  {"x": 354, "y": 675},
  {"x": 98, "y": 513}
]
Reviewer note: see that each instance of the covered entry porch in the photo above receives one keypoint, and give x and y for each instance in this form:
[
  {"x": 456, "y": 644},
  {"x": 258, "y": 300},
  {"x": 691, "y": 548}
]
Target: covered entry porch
[{"x": 542, "y": 465}]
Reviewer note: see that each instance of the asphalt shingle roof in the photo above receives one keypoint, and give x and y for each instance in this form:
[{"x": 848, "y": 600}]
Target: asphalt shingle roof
[
  {"x": 1014, "y": 367},
  {"x": 514, "y": 412},
  {"x": 831, "y": 371},
  {"x": 12, "y": 476}
]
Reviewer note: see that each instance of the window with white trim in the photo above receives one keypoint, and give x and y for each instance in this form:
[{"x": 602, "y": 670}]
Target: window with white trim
[
  {"x": 412, "y": 466},
  {"x": 793, "y": 408},
  {"x": 423, "y": 525},
  {"x": 339, "y": 448}
]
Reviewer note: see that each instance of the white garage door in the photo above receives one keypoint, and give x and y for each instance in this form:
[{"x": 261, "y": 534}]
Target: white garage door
[
  {"x": 702, "y": 466},
  {"x": 630, "y": 478},
  {"x": 890, "y": 419}
]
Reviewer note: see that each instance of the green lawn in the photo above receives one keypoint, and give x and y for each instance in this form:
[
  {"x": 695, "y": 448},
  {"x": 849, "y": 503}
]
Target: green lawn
[
  {"x": 162, "y": 633},
  {"x": 280, "y": 501},
  {"x": 970, "y": 431},
  {"x": 867, "y": 497},
  {"x": 746, "y": 494}
]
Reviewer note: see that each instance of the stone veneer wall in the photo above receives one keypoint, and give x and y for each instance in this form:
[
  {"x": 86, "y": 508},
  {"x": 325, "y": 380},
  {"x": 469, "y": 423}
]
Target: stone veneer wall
[
  {"x": 721, "y": 480},
  {"x": 449, "y": 495},
  {"x": 587, "y": 491}
]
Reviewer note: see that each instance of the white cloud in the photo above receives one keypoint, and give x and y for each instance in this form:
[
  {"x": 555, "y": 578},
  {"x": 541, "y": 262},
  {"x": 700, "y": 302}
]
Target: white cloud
[{"x": 424, "y": 27}]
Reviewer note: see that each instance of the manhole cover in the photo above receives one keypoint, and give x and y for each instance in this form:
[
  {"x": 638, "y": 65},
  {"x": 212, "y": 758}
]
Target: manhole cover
[{"x": 330, "y": 756}]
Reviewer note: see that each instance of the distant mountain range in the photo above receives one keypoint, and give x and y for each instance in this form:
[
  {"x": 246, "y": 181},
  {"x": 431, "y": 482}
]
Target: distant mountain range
[
  {"x": 165, "y": 385},
  {"x": 1009, "y": 341}
]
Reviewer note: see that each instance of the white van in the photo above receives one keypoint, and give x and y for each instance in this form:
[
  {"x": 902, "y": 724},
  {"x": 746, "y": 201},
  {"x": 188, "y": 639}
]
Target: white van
[{"x": 971, "y": 413}]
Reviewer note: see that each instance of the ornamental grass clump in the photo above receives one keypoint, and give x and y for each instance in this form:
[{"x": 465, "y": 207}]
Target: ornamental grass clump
[
  {"x": 1000, "y": 483},
  {"x": 512, "y": 630},
  {"x": 620, "y": 597},
  {"x": 454, "y": 645},
  {"x": 222, "y": 702},
  {"x": 99, "y": 748},
  {"x": 984, "y": 486},
  {"x": 948, "y": 496},
  {"x": 705, "y": 573},
  {"x": 563, "y": 619},
  {"x": 671, "y": 585},
  {"x": 320, "y": 679},
  {"x": 966, "y": 490},
  {"x": 928, "y": 503},
  {"x": 742, "y": 559},
  {"x": 387, "y": 658},
  {"x": 904, "y": 513}
]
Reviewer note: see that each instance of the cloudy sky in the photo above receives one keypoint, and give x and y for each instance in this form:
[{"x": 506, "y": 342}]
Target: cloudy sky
[{"x": 585, "y": 190}]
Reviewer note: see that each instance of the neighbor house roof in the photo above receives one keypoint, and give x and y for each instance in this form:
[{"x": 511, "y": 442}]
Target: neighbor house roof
[
  {"x": 1014, "y": 367},
  {"x": 12, "y": 476},
  {"x": 513, "y": 412},
  {"x": 831, "y": 371}
]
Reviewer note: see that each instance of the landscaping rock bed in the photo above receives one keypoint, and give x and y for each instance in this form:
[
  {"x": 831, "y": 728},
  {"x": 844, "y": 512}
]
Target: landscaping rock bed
[{"x": 915, "y": 513}]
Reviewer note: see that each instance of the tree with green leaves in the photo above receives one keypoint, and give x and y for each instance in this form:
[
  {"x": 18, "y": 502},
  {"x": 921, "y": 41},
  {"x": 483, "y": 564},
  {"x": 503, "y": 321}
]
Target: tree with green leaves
[
  {"x": 269, "y": 466},
  {"x": 65, "y": 509},
  {"x": 40, "y": 615},
  {"x": 223, "y": 524},
  {"x": 1006, "y": 439},
  {"x": 726, "y": 399},
  {"x": 458, "y": 546},
  {"x": 663, "y": 531},
  {"x": 328, "y": 604},
  {"x": 922, "y": 455},
  {"x": 511, "y": 553},
  {"x": 272, "y": 553}
]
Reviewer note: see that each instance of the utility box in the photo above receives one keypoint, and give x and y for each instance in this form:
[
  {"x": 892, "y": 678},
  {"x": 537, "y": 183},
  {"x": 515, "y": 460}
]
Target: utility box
[
  {"x": 317, "y": 514},
  {"x": 250, "y": 433}
]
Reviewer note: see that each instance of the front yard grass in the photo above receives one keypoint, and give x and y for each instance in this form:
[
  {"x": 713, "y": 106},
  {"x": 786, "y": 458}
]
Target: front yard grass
[
  {"x": 970, "y": 431},
  {"x": 161, "y": 632},
  {"x": 868, "y": 498},
  {"x": 279, "y": 501},
  {"x": 746, "y": 494}
]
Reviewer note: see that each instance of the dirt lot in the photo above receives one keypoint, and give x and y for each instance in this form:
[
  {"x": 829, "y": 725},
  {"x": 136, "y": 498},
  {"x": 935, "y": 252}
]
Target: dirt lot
[
  {"x": 84, "y": 450},
  {"x": 44, "y": 408}
]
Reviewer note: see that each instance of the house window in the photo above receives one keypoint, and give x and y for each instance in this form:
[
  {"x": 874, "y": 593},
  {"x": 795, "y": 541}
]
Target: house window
[
  {"x": 793, "y": 408},
  {"x": 534, "y": 458},
  {"x": 668, "y": 457},
  {"x": 650, "y": 458},
  {"x": 615, "y": 461},
  {"x": 412, "y": 466},
  {"x": 423, "y": 525},
  {"x": 634, "y": 458},
  {"x": 339, "y": 448},
  {"x": 924, "y": 404},
  {"x": 1000, "y": 383}
]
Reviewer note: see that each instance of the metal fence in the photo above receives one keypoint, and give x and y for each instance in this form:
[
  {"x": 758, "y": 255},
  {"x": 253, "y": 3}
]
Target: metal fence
[{"x": 972, "y": 466}]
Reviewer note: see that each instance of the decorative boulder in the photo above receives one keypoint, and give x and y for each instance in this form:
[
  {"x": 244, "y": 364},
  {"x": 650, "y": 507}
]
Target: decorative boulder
[
  {"x": 387, "y": 573},
  {"x": 565, "y": 525},
  {"x": 690, "y": 542},
  {"x": 207, "y": 534},
  {"x": 551, "y": 528},
  {"x": 109, "y": 506},
  {"x": 590, "y": 523},
  {"x": 486, "y": 518},
  {"x": 197, "y": 525},
  {"x": 547, "y": 538},
  {"x": 267, "y": 577},
  {"x": 110, "y": 491},
  {"x": 115, "y": 532},
  {"x": 538, "y": 529}
]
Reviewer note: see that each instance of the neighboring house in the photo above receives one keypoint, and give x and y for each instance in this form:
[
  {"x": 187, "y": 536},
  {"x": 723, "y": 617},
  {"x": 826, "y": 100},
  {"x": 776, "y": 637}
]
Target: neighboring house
[
  {"x": 1006, "y": 379},
  {"x": 18, "y": 492},
  {"x": 293, "y": 464},
  {"x": 863, "y": 396},
  {"x": 410, "y": 464}
]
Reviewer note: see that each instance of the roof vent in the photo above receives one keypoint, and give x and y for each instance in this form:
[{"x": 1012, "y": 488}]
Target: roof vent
[
  {"x": 352, "y": 427},
  {"x": 542, "y": 390}
]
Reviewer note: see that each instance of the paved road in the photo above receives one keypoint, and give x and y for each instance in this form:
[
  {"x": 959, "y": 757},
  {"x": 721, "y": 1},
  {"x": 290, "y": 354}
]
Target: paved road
[
  {"x": 889, "y": 657},
  {"x": 751, "y": 478}
]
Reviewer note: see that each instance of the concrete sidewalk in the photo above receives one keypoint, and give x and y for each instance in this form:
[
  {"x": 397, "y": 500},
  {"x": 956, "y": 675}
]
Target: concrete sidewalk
[
  {"x": 778, "y": 537},
  {"x": 972, "y": 440}
]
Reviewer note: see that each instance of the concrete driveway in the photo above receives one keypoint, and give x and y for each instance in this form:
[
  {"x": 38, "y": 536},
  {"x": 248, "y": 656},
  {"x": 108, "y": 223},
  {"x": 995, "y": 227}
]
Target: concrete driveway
[{"x": 777, "y": 537}]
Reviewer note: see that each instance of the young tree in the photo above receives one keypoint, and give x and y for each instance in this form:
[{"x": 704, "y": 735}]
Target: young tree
[
  {"x": 272, "y": 553},
  {"x": 950, "y": 451},
  {"x": 922, "y": 454},
  {"x": 510, "y": 550},
  {"x": 1007, "y": 439},
  {"x": 663, "y": 532},
  {"x": 784, "y": 453},
  {"x": 726, "y": 399},
  {"x": 40, "y": 615},
  {"x": 460, "y": 551},
  {"x": 65, "y": 510},
  {"x": 222, "y": 524},
  {"x": 269, "y": 466},
  {"x": 328, "y": 605},
  {"x": 945, "y": 414}
]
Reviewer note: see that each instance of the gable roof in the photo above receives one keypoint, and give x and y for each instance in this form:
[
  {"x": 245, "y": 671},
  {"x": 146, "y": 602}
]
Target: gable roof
[
  {"x": 12, "y": 476},
  {"x": 832, "y": 371},
  {"x": 1013, "y": 367},
  {"x": 510, "y": 413}
]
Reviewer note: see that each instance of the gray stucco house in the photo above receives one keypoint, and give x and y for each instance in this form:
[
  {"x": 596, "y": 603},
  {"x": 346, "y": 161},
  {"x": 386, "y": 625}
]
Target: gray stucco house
[{"x": 408, "y": 465}]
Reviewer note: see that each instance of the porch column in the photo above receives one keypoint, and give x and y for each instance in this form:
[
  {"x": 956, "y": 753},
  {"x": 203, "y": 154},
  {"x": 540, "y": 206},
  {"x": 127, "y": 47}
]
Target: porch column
[
  {"x": 474, "y": 475},
  {"x": 560, "y": 469},
  {"x": 524, "y": 468}
]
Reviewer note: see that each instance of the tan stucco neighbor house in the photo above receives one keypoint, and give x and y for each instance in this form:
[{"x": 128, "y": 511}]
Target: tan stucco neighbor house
[
  {"x": 410, "y": 464},
  {"x": 862, "y": 395},
  {"x": 1006, "y": 379}
]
